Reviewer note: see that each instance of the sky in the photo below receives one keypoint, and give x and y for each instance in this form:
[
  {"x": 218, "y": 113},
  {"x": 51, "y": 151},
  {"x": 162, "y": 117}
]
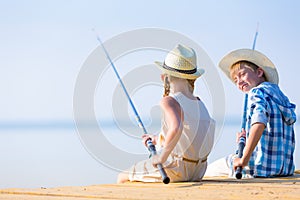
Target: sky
[
  {"x": 44, "y": 46},
  {"x": 45, "y": 43}
]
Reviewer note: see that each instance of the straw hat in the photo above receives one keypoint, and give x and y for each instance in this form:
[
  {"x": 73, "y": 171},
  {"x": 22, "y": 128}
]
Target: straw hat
[
  {"x": 252, "y": 56},
  {"x": 181, "y": 62}
]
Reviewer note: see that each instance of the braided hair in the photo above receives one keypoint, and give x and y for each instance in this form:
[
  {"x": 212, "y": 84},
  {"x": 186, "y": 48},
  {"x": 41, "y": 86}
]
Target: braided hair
[{"x": 191, "y": 84}]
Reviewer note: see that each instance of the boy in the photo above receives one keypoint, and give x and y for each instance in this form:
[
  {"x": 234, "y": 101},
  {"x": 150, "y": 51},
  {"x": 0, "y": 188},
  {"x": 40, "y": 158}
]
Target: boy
[{"x": 269, "y": 131}]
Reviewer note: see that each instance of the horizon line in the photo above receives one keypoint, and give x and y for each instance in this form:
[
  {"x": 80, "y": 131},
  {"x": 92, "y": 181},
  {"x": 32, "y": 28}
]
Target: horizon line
[{"x": 71, "y": 124}]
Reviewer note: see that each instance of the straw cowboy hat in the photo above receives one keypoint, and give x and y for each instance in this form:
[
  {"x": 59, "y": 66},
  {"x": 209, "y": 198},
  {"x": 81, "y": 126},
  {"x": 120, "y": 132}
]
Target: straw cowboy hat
[
  {"x": 252, "y": 56},
  {"x": 181, "y": 62}
]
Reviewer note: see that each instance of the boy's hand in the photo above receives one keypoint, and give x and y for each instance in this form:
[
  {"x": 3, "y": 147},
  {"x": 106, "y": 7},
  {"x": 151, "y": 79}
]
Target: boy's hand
[
  {"x": 238, "y": 162},
  {"x": 240, "y": 134}
]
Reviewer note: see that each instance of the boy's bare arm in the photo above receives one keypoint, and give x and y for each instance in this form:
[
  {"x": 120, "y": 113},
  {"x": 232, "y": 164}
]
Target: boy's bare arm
[{"x": 255, "y": 133}]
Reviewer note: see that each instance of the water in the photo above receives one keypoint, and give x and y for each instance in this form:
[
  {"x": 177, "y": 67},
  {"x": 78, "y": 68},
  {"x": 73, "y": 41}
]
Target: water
[
  {"x": 47, "y": 158},
  {"x": 53, "y": 157}
]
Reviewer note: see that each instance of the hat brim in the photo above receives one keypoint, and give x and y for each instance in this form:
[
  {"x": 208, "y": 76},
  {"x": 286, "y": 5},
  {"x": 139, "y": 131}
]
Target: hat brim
[
  {"x": 195, "y": 75},
  {"x": 252, "y": 56}
]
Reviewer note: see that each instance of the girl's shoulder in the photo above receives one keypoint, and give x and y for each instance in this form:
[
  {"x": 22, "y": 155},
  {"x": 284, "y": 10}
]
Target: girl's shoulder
[{"x": 168, "y": 101}]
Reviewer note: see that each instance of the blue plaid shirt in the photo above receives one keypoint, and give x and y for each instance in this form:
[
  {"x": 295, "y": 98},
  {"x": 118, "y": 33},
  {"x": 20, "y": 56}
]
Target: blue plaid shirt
[{"x": 273, "y": 155}]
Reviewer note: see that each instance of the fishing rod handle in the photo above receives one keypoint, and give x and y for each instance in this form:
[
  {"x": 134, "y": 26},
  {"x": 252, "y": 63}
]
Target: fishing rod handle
[
  {"x": 241, "y": 145},
  {"x": 162, "y": 172}
]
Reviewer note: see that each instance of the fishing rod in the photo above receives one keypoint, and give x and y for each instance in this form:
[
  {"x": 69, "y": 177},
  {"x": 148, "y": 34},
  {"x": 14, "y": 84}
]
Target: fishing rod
[
  {"x": 149, "y": 143},
  {"x": 242, "y": 140}
]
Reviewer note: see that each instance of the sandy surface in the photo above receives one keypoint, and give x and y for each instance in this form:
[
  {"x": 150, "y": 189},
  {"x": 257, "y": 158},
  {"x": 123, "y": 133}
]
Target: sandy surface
[{"x": 209, "y": 188}]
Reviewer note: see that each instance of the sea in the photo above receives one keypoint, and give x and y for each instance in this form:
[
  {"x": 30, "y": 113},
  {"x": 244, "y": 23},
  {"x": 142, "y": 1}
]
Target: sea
[{"x": 45, "y": 155}]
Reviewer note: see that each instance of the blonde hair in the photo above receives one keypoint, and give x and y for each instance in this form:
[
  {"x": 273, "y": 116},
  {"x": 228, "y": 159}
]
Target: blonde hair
[
  {"x": 237, "y": 66},
  {"x": 168, "y": 78},
  {"x": 166, "y": 86}
]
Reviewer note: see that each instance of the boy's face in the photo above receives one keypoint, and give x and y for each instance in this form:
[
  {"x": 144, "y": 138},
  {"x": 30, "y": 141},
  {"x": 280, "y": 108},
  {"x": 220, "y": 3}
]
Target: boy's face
[{"x": 246, "y": 78}]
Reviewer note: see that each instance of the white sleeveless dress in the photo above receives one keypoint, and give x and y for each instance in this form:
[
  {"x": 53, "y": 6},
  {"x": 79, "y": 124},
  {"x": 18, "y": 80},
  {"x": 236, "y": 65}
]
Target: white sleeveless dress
[{"x": 187, "y": 161}]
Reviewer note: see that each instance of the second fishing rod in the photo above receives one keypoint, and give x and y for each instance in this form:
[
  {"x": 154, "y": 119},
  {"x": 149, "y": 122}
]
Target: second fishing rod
[{"x": 242, "y": 140}]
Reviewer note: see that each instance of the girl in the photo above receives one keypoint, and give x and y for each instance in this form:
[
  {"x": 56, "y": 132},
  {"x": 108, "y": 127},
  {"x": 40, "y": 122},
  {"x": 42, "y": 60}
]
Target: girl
[{"x": 187, "y": 133}]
